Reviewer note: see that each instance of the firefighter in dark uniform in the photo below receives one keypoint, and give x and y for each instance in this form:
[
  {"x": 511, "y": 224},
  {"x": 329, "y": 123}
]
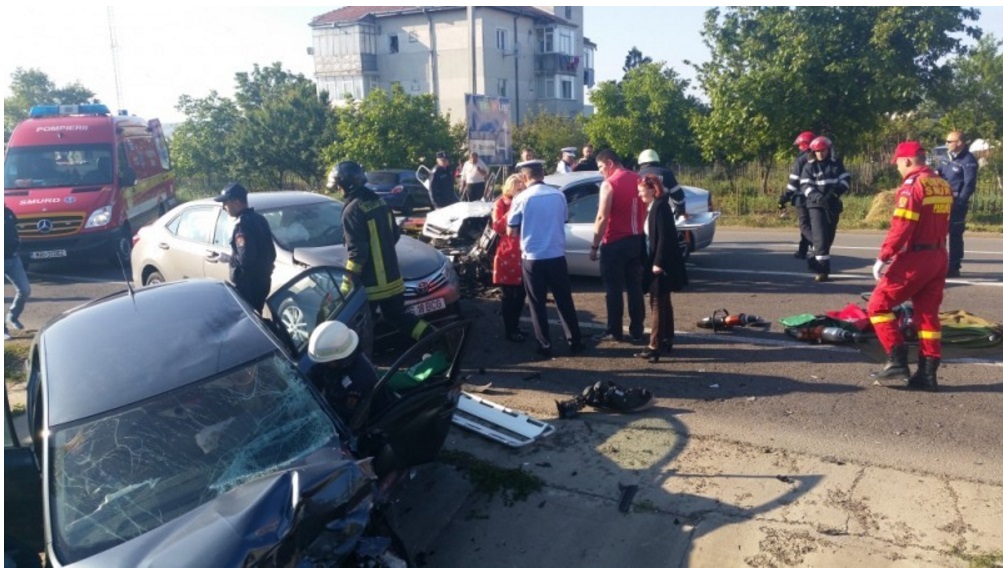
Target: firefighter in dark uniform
[
  {"x": 961, "y": 173},
  {"x": 441, "y": 182},
  {"x": 370, "y": 237},
  {"x": 252, "y": 250},
  {"x": 823, "y": 181},
  {"x": 915, "y": 248},
  {"x": 792, "y": 193},
  {"x": 649, "y": 162}
]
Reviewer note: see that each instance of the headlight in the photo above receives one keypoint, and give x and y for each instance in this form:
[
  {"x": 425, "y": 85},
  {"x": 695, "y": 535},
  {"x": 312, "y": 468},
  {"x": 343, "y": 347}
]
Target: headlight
[{"x": 99, "y": 218}]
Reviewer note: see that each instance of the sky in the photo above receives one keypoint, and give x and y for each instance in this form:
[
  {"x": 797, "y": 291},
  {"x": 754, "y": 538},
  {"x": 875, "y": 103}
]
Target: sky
[{"x": 165, "y": 51}]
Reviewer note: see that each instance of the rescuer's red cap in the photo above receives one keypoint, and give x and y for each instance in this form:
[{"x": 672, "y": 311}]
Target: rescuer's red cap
[{"x": 908, "y": 149}]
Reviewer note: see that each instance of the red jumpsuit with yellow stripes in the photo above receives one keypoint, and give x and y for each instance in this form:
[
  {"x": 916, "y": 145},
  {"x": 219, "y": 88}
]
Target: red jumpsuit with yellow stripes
[{"x": 916, "y": 242}]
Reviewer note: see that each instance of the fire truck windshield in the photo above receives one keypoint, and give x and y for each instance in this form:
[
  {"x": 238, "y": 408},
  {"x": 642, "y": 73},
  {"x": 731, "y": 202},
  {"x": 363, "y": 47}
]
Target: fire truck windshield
[{"x": 58, "y": 166}]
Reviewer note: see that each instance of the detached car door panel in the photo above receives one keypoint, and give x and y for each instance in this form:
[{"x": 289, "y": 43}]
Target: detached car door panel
[{"x": 22, "y": 481}]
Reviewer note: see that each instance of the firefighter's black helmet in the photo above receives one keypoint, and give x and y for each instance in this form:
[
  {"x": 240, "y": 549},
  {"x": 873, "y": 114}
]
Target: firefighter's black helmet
[{"x": 349, "y": 176}]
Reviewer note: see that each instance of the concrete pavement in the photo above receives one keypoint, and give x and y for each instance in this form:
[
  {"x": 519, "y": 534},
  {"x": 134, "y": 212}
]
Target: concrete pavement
[{"x": 699, "y": 502}]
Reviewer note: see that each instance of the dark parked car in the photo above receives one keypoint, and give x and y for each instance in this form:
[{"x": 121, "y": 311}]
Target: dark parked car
[
  {"x": 184, "y": 434},
  {"x": 400, "y": 189}
]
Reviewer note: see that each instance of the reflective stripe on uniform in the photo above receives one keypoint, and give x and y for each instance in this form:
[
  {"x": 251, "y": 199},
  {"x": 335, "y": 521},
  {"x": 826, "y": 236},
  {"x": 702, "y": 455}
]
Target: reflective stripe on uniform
[
  {"x": 377, "y": 250},
  {"x": 386, "y": 291},
  {"x": 419, "y": 330},
  {"x": 353, "y": 266},
  {"x": 929, "y": 334},
  {"x": 940, "y": 200},
  {"x": 882, "y": 318},
  {"x": 906, "y": 214}
]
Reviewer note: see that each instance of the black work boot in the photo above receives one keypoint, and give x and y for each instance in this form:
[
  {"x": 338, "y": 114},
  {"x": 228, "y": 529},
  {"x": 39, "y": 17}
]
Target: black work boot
[
  {"x": 897, "y": 366},
  {"x": 822, "y": 271},
  {"x": 925, "y": 377}
]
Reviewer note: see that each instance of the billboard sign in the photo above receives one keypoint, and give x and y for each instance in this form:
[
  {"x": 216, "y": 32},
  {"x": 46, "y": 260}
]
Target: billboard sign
[{"x": 488, "y": 129}]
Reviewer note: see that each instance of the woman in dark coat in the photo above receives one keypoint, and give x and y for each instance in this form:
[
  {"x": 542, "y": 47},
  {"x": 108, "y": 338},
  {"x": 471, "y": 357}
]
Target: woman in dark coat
[{"x": 665, "y": 271}]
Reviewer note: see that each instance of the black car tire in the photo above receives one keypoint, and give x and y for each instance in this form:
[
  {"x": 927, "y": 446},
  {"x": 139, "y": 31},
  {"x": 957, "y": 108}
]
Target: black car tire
[
  {"x": 294, "y": 321},
  {"x": 154, "y": 278}
]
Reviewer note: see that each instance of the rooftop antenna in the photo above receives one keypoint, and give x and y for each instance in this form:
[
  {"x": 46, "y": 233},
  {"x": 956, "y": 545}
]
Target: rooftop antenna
[{"x": 114, "y": 56}]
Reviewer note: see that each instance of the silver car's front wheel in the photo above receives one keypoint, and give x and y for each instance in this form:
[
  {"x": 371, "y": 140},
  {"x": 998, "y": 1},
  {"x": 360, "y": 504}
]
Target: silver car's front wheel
[{"x": 293, "y": 319}]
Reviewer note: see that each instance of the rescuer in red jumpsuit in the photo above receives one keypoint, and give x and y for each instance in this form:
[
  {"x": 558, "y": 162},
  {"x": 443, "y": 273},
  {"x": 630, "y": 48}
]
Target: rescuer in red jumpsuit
[{"x": 916, "y": 250}]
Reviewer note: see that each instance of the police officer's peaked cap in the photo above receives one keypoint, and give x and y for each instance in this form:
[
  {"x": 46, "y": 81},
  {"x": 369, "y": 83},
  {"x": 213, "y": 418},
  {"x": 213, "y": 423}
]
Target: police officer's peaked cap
[
  {"x": 232, "y": 191},
  {"x": 442, "y": 154},
  {"x": 530, "y": 164},
  {"x": 570, "y": 150},
  {"x": 349, "y": 176}
]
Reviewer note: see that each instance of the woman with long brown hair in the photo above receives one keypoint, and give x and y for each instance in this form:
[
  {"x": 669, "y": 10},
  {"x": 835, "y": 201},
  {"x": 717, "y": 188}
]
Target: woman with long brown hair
[{"x": 665, "y": 271}]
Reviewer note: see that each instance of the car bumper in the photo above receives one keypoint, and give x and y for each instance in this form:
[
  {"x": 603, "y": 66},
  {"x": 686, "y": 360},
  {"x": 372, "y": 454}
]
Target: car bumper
[{"x": 82, "y": 245}]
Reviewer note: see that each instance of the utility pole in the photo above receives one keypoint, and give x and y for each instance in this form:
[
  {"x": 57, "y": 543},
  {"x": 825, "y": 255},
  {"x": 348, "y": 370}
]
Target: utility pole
[{"x": 114, "y": 57}]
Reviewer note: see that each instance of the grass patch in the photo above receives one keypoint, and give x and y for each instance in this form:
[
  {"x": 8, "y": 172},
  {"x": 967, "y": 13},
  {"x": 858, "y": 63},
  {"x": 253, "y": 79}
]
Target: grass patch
[
  {"x": 513, "y": 484},
  {"x": 15, "y": 353},
  {"x": 992, "y": 559}
]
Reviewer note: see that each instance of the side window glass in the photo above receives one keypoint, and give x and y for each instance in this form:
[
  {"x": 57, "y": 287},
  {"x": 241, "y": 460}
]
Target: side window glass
[
  {"x": 194, "y": 224},
  {"x": 224, "y": 229},
  {"x": 584, "y": 209},
  {"x": 316, "y": 296}
]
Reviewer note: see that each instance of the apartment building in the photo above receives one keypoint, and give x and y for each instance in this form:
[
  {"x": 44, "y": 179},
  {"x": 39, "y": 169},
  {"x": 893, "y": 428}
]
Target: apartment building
[{"x": 536, "y": 56}]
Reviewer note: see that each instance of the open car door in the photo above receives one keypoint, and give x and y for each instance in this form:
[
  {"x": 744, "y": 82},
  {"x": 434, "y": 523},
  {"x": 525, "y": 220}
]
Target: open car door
[
  {"x": 317, "y": 295},
  {"x": 404, "y": 420},
  {"x": 22, "y": 506}
]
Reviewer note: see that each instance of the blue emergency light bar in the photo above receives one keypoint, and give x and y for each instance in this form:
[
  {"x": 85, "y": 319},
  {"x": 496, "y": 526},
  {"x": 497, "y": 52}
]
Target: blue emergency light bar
[{"x": 43, "y": 111}]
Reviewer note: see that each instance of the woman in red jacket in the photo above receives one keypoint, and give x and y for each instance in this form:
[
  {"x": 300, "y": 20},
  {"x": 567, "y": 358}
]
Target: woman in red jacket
[{"x": 507, "y": 272}]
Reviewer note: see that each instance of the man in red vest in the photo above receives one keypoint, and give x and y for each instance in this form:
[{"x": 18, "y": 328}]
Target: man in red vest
[{"x": 619, "y": 246}]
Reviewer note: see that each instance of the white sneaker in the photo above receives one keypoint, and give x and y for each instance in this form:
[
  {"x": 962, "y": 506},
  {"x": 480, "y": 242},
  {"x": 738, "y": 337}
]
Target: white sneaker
[
  {"x": 6, "y": 334},
  {"x": 14, "y": 322}
]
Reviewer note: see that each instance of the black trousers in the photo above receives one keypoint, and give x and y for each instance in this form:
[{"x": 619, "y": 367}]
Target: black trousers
[
  {"x": 956, "y": 235},
  {"x": 513, "y": 299},
  {"x": 475, "y": 191},
  {"x": 824, "y": 221},
  {"x": 621, "y": 265},
  {"x": 551, "y": 274},
  {"x": 254, "y": 290},
  {"x": 804, "y": 226},
  {"x": 394, "y": 313}
]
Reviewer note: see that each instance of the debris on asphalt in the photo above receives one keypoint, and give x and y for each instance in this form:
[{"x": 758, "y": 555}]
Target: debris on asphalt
[
  {"x": 627, "y": 493},
  {"x": 715, "y": 386}
]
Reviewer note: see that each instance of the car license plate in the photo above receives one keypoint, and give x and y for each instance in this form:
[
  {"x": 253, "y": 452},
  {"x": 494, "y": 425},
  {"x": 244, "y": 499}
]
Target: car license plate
[
  {"x": 40, "y": 254},
  {"x": 428, "y": 307}
]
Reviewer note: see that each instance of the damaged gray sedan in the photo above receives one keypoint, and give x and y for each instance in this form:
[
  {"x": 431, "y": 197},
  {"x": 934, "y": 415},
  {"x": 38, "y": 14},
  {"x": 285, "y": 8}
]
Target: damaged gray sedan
[{"x": 174, "y": 426}]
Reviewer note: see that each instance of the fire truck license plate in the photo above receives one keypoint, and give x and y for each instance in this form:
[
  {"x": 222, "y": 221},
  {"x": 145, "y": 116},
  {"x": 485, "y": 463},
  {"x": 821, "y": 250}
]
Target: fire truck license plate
[
  {"x": 40, "y": 254},
  {"x": 427, "y": 307}
]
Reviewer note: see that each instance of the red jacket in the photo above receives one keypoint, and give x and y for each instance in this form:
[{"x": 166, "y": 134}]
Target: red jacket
[
  {"x": 922, "y": 214},
  {"x": 507, "y": 269}
]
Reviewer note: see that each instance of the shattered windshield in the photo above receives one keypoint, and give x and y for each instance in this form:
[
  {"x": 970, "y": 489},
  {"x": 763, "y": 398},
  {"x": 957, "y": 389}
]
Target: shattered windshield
[
  {"x": 122, "y": 474},
  {"x": 307, "y": 225}
]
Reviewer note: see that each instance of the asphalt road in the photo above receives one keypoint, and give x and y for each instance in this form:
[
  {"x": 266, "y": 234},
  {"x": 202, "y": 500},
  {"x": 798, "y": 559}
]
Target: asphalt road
[{"x": 750, "y": 386}]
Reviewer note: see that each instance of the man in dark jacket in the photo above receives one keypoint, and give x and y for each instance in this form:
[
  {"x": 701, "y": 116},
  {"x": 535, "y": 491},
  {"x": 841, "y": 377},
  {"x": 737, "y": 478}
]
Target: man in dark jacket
[
  {"x": 823, "y": 181},
  {"x": 442, "y": 181},
  {"x": 961, "y": 173},
  {"x": 252, "y": 250},
  {"x": 371, "y": 237},
  {"x": 792, "y": 193},
  {"x": 587, "y": 163},
  {"x": 13, "y": 271},
  {"x": 650, "y": 164}
]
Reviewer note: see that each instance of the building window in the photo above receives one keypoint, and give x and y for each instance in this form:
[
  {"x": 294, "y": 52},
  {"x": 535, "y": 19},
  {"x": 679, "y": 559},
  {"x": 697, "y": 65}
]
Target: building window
[
  {"x": 501, "y": 39},
  {"x": 590, "y": 54},
  {"x": 567, "y": 12},
  {"x": 546, "y": 44},
  {"x": 349, "y": 40},
  {"x": 545, "y": 88},
  {"x": 394, "y": 44},
  {"x": 567, "y": 88},
  {"x": 502, "y": 87},
  {"x": 566, "y": 41}
]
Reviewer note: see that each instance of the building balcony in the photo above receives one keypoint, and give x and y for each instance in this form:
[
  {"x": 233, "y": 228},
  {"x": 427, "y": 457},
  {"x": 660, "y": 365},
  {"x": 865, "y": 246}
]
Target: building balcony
[{"x": 557, "y": 64}]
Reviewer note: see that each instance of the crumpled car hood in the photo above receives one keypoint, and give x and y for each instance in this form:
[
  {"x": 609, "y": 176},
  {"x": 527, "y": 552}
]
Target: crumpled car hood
[
  {"x": 451, "y": 217},
  {"x": 417, "y": 260},
  {"x": 313, "y": 514}
]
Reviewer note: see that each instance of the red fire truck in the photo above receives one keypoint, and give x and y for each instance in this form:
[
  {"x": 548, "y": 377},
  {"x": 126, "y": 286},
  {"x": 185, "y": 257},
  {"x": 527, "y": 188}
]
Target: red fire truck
[{"x": 81, "y": 181}]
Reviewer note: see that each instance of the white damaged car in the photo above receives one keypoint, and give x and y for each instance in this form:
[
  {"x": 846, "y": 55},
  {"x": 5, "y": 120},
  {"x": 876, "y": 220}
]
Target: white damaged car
[{"x": 464, "y": 222}]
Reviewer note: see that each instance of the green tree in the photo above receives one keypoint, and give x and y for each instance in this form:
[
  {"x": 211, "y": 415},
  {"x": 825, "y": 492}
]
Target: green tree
[
  {"x": 634, "y": 59},
  {"x": 649, "y": 108},
  {"x": 975, "y": 104},
  {"x": 30, "y": 87},
  {"x": 391, "y": 130},
  {"x": 284, "y": 126},
  {"x": 199, "y": 145},
  {"x": 775, "y": 71},
  {"x": 547, "y": 133}
]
